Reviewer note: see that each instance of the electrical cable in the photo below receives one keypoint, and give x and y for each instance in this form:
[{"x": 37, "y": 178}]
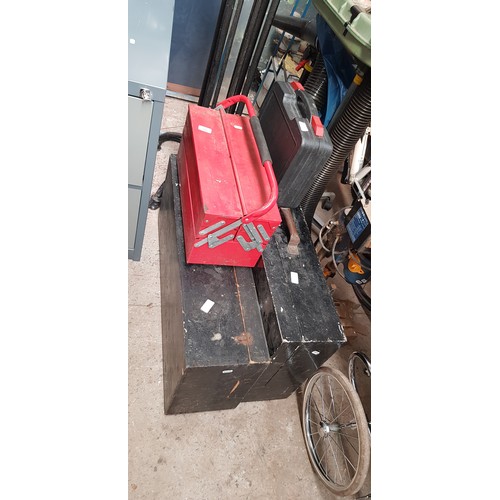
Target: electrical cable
[
  {"x": 169, "y": 136},
  {"x": 320, "y": 237},
  {"x": 341, "y": 210},
  {"x": 334, "y": 261},
  {"x": 155, "y": 200},
  {"x": 323, "y": 227}
]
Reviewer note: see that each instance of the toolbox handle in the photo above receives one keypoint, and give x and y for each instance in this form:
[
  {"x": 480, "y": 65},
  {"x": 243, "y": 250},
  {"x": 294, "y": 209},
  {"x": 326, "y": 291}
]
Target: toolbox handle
[
  {"x": 265, "y": 156},
  {"x": 227, "y": 103}
]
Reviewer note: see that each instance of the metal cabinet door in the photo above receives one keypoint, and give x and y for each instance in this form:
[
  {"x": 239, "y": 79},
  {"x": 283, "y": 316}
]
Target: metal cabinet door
[
  {"x": 150, "y": 31},
  {"x": 139, "y": 124}
]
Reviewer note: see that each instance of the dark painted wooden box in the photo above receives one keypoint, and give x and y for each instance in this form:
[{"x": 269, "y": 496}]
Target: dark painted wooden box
[
  {"x": 302, "y": 326},
  {"x": 214, "y": 344}
]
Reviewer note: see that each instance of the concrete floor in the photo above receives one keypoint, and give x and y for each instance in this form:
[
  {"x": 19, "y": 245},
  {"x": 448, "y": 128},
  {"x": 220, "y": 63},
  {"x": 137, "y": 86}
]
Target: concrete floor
[{"x": 254, "y": 451}]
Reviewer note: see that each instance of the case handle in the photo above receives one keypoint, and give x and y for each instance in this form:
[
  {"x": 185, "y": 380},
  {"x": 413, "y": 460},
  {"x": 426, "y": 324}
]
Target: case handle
[
  {"x": 308, "y": 111},
  {"x": 305, "y": 104},
  {"x": 264, "y": 154}
]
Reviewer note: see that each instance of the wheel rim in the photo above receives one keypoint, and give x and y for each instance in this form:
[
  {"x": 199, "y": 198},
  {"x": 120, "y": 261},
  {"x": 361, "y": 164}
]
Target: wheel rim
[
  {"x": 359, "y": 376},
  {"x": 332, "y": 431}
]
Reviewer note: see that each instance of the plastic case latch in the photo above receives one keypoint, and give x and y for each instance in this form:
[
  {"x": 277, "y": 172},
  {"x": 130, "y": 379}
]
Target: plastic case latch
[
  {"x": 297, "y": 85},
  {"x": 317, "y": 126}
]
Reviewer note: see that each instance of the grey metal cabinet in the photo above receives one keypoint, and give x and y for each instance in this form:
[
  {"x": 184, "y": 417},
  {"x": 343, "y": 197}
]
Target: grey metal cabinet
[
  {"x": 139, "y": 122},
  {"x": 150, "y": 33}
]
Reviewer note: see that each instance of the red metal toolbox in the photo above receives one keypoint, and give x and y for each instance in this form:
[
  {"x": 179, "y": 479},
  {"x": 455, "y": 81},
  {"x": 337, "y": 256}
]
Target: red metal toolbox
[{"x": 227, "y": 186}]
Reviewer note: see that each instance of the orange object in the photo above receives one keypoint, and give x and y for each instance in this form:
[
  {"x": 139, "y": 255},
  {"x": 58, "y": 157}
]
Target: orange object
[{"x": 354, "y": 264}]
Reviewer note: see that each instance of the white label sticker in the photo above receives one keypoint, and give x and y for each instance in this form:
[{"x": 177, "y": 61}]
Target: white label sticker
[
  {"x": 205, "y": 129},
  {"x": 227, "y": 371},
  {"x": 238, "y": 127},
  {"x": 132, "y": 41},
  {"x": 303, "y": 126},
  {"x": 207, "y": 306},
  {"x": 294, "y": 277}
]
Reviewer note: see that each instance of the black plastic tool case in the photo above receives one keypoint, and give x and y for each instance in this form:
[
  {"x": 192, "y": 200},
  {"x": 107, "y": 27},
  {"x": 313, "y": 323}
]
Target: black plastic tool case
[
  {"x": 302, "y": 326},
  {"x": 298, "y": 153},
  {"x": 210, "y": 359}
]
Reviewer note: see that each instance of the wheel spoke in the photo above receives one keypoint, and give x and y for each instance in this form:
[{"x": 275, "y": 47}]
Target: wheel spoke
[
  {"x": 322, "y": 398},
  {"x": 341, "y": 402},
  {"x": 314, "y": 422},
  {"x": 350, "y": 444},
  {"x": 346, "y": 408},
  {"x": 317, "y": 409},
  {"x": 331, "y": 395},
  {"x": 326, "y": 461},
  {"x": 339, "y": 406},
  {"x": 321, "y": 459},
  {"x": 317, "y": 443},
  {"x": 347, "y": 436},
  {"x": 346, "y": 468},
  {"x": 334, "y": 457},
  {"x": 343, "y": 453}
]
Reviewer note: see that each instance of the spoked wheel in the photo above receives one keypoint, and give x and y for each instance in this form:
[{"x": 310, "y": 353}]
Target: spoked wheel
[
  {"x": 360, "y": 371},
  {"x": 336, "y": 431}
]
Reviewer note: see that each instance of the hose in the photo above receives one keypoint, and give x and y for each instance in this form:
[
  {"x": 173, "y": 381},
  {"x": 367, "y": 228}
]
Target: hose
[
  {"x": 169, "y": 136},
  {"x": 344, "y": 135},
  {"x": 155, "y": 200},
  {"x": 317, "y": 83}
]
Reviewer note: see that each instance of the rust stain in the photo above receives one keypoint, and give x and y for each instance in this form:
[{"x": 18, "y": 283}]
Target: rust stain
[
  {"x": 244, "y": 339},
  {"x": 234, "y": 388}
]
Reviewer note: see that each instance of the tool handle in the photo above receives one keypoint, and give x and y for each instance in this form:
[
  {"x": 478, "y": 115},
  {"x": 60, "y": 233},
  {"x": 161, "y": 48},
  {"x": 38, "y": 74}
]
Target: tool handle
[
  {"x": 227, "y": 103},
  {"x": 272, "y": 199},
  {"x": 305, "y": 104},
  {"x": 265, "y": 156}
]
